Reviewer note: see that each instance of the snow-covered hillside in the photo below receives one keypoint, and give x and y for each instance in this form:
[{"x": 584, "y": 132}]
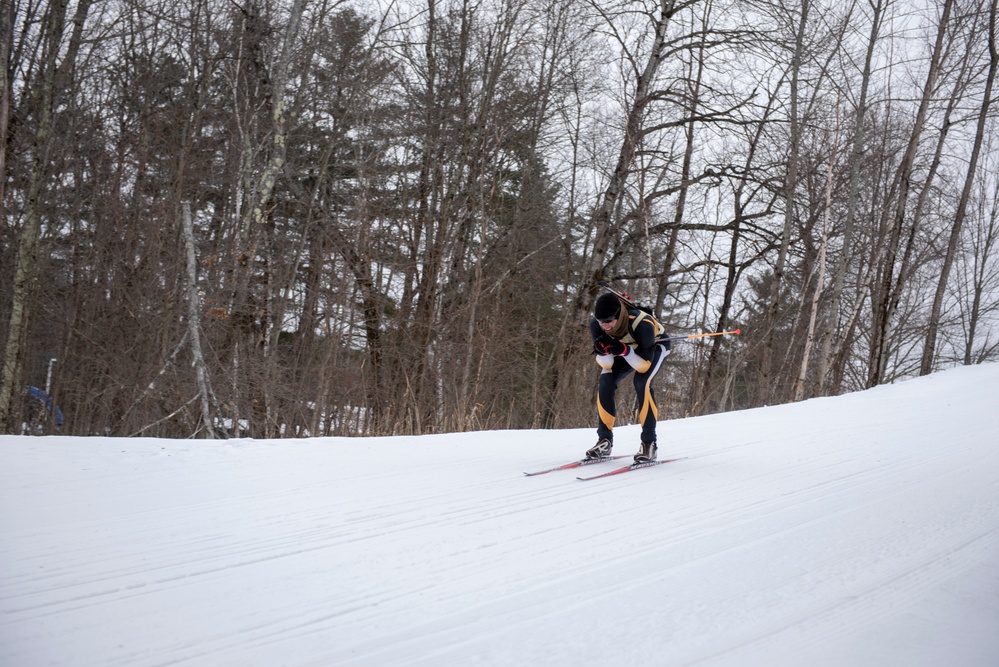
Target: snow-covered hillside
[{"x": 861, "y": 530}]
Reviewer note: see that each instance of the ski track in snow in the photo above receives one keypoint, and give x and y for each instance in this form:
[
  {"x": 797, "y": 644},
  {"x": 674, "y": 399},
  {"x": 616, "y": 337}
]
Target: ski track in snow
[{"x": 857, "y": 530}]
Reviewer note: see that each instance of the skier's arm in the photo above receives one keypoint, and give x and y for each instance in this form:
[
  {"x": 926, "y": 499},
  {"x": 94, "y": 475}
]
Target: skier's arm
[{"x": 640, "y": 356}]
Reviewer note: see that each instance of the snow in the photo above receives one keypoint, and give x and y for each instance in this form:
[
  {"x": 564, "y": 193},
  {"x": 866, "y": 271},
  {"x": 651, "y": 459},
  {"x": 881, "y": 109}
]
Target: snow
[{"x": 861, "y": 530}]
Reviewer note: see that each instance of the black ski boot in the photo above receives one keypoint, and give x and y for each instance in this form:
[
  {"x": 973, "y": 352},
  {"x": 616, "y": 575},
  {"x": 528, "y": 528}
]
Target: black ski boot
[
  {"x": 647, "y": 454},
  {"x": 600, "y": 450}
]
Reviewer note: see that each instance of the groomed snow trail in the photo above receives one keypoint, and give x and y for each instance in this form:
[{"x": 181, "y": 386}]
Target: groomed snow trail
[{"x": 861, "y": 530}]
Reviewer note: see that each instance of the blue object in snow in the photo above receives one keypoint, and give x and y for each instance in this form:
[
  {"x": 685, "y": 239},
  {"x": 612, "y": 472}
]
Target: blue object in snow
[{"x": 47, "y": 401}]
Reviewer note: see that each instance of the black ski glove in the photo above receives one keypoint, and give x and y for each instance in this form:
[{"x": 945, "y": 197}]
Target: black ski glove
[{"x": 611, "y": 346}]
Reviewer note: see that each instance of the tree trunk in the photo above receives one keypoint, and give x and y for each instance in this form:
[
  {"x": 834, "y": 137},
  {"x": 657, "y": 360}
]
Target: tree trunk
[
  {"x": 253, "y": 227},
  {"x": 767, "y": 384},
  {"x": 6, "y": 37},
  {"x": 831, "y": 342},
  {"x": 734, "y": 272},
  {"x": 987, "y": 240},
  {"x": 607, "y": 228},
  {"x": 929, "y": 346},
  {"x": 799, "y": 386},
  {"x": 896, "y": 212},
  {"x": 27, "y": 251},
  {"x": 206, "y": 398}
]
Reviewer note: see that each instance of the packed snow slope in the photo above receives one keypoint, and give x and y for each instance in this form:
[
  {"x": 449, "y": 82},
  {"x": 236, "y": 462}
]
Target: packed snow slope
[{"x": 861, "y": 530}]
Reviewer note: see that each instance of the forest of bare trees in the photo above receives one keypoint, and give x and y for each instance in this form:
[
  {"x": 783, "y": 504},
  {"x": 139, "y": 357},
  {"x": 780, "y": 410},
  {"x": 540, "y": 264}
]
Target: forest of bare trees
[{"x": 278, "y": 218}]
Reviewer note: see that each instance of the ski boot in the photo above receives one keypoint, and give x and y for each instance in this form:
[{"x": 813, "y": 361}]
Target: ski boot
[
  {"x": 600, "y": 450},
  {"x": 647, "y": 454}
]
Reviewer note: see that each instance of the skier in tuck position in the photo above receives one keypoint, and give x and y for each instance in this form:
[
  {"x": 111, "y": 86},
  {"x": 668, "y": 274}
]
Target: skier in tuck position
[{"x": 625, "y": 342}]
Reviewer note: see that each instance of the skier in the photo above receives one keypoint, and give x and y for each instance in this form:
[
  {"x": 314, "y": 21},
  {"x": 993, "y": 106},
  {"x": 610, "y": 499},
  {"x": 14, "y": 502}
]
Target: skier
[{"x": 624, "y": 342}]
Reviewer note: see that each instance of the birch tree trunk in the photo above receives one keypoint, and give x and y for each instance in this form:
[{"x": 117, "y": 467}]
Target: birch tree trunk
[
  {"x": 194, "y": 322},
  {"x": 252, "y": 225},
  {"x": 799, "y": 385}
]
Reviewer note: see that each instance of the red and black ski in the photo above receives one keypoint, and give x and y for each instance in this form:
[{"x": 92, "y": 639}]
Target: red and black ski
[
  {"x": 577, "y": 464},
  {"x": 633, "y": 466}
]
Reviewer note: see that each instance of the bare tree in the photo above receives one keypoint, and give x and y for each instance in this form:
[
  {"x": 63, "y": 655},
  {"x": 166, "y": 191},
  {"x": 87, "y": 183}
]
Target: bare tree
[
  {"x": 813, "y": 312},
  {"x": 831, "y": 340},
  {"x": 926, "y": 364},
  {"x": 398, "y": 220},
  {"x": 27, "y": 256},
  {"x": 205, "y": 395},
  {"x": 894, "y": 214},
  {"x": 981, "y": 271},
  {"x": 6, "y": 40}
]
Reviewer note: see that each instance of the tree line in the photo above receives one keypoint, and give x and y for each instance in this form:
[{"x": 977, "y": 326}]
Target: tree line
[{"x": 285, "y": 218}]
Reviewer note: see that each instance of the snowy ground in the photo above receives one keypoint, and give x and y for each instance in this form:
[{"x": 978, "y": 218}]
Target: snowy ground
[{"x": 854, "y": 531}]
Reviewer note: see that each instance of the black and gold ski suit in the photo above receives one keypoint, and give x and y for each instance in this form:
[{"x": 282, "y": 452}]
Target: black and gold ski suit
[{"x": 644, "y": 360}]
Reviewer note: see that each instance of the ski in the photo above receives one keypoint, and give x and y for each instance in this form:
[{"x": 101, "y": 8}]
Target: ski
[
  {"x": 577, "y": 464},
  {"x": 633, "y": 466}
]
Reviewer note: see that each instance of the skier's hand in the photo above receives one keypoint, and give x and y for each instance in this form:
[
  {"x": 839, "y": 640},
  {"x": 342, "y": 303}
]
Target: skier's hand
[
  {"x": 612, "y": 347},
  {"x": 600, "y": 345}
]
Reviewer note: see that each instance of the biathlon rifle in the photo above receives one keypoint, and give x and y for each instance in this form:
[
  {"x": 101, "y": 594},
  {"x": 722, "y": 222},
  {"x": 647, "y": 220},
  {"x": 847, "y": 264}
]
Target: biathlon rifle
[{"x": 631, "y": 303}]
